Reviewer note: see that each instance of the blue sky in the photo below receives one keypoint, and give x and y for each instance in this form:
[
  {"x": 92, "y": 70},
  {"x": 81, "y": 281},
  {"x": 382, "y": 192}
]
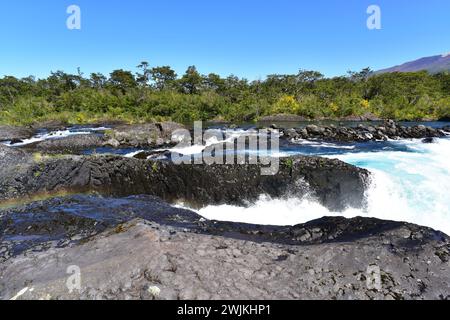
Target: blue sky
[{"x": 248, "y": 38}]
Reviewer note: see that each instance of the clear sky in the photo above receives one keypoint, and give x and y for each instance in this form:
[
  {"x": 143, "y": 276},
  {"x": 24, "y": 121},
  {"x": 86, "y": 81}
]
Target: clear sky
[{"x": 248, "y": 38}]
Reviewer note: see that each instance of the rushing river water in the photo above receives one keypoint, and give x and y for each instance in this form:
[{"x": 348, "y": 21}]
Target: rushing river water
[{"x": 410, "y": 182}]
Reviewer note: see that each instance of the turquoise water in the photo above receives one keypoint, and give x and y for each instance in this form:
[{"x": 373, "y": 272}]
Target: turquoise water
[
  {"x": 413, "y": 185},
  {"x": 410, "y": 182}
]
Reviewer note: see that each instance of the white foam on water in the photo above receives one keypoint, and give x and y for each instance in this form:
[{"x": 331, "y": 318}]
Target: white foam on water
[
  {"x": 318, "y": 144},
  {"x": 229, "y": 135},
  {"x": 406, "y": 186},
  {"x": 267, "y": 211},
  {"x": 132, "y": 154},
  {"x": 56, "y": 135}
]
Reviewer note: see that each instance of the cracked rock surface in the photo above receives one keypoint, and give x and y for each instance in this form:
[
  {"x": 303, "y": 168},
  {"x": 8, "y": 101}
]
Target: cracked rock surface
[{"x": 129, "y": 261}]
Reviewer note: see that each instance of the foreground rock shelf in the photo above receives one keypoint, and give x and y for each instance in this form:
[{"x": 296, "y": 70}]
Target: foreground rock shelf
[
  {"x": 132, "y": 248},
  {"x": 70, "y": 219}
]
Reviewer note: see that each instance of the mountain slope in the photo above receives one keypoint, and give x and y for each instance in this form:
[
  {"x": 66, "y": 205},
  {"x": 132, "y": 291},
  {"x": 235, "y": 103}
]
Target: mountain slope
[{"x": 432, "y": 64}]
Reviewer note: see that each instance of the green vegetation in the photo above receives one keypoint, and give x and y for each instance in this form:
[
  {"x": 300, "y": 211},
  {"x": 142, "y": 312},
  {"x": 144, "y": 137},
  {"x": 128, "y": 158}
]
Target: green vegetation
[
  {"x": 289, "y": 163},
  {"x": 159, "y": 94}
]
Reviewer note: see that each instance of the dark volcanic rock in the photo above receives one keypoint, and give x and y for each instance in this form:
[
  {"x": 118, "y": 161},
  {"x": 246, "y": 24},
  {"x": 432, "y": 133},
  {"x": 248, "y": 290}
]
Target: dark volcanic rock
[
  {"x": 362, "y": 133},
  {"x": 50, "y": 125},
  {"x": 70, "y": 144},
  {"x": 11, "y": 158},
  {"x": 143, "y": 135},
  {"x": 62, "y": 221},
  {"x": 370, "y": 117},
  {"x": 8, "y": 133},
  {"x": 365, "y": 117},
  {"x": 154, "y": 155},
  {"x": 71, "y": 219},
  {"x": 142, "y": 259},
  {"x": 428, "y": 140},
  {"x": 335, "y": 184}
]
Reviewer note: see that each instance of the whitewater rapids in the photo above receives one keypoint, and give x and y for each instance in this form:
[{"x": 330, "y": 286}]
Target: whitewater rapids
[{"x": 411, "y": 185}]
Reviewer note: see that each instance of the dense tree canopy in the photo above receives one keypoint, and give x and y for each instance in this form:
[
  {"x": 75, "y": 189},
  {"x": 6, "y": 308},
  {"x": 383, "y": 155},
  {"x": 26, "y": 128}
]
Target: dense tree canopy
[{"x": 158, "y": 93}]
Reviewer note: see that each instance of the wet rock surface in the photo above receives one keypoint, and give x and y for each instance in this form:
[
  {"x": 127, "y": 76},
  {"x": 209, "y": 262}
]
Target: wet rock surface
[
  {"x": 363, "y": 133},
  {"x": 62, "y": 221},
  {"x": 141, "y": 259}
]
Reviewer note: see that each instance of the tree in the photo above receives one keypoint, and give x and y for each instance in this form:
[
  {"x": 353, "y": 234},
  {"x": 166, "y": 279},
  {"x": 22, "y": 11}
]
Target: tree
[
  {"x": 191, "y": 80},
  {"x": 235, "y": 88},
  {"x": 71, "y": 97},
  {"x": 143, "y": 78},
  {"x": 63, "y": 81},
  {"x": 122, "y": 80},
  {"x": 286, "y": 104},
  {"x": 163, "y": 77},
  {"x": 10, "y": 87},
  {"x": 97, "y": 80},
  {"x": 309, "y": 77},
  {"x": 214, "y": 82},
  {"x": 360, "y": 76}
]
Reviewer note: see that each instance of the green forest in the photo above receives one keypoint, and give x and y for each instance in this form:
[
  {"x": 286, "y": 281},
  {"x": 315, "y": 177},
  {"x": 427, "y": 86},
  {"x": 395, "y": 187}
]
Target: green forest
[{"x": 158, "y": 93}]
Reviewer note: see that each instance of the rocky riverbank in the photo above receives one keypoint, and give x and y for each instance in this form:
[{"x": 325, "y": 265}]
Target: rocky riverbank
[
  {"x": 158, "y": 135},
  {"x": 363, "y": 133},
  {"x": 150, "y": 135}
]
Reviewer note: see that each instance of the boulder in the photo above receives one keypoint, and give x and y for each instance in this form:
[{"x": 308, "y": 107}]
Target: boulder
[
  {"x": 314, "y": 129},
  {"x": 50, "y": 125},
  {"x": 8, "y": 133},
  {"x": 428, "y": 140},
  {"x": 11, "y": 158},
  {"x": 370, "y": 117},
  {"x": 142, "y": 135},
  {"x": 71, "y": 144}
]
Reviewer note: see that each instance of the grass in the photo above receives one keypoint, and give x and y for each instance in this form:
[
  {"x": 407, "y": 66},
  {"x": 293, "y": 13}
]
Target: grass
[
  {"x": 289, "y": 163},
  {"x": 38, "y": 157}
]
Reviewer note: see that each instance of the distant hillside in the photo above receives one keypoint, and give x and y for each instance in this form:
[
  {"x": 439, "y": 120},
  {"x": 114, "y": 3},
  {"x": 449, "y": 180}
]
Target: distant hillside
[{"x": 433, "y": 64}]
